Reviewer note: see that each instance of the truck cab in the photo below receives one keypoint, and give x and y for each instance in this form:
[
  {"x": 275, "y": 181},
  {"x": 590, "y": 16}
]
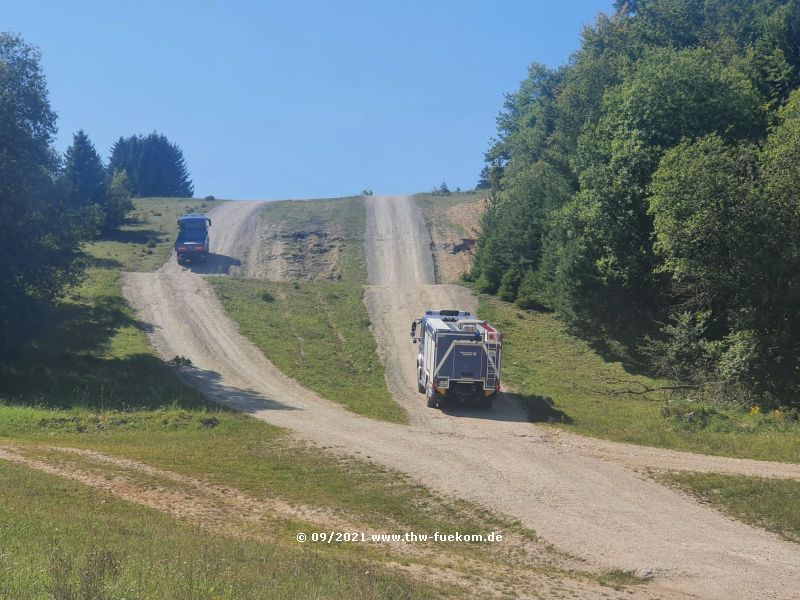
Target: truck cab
[
  {"x": 459, "y": 357},
  {"x": 193, "y": 242}
]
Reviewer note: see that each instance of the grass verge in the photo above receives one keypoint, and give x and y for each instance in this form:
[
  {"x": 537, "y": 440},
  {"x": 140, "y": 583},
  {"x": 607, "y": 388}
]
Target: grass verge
[
  {"x": 562, "y": 380},
  {"x": 773, "y": 504}
]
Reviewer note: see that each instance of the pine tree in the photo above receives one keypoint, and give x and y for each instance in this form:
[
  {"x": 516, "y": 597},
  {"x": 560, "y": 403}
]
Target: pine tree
[
  {"x": 86, "y": 177},
  {"x": 155, "y": 166}
]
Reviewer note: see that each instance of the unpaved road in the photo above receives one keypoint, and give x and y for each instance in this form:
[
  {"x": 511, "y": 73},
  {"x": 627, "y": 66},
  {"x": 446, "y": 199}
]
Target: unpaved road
[{"x": 581, "y": 496}]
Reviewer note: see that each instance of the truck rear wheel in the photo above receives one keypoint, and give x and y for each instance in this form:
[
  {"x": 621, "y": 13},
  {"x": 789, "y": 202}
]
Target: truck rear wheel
[{"x": 432, "y": 398}]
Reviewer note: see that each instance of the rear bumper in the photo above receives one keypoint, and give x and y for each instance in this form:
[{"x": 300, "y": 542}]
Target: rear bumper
[
  {"x": 190, "y": 253},
  {"x": 465, "y": 388}
]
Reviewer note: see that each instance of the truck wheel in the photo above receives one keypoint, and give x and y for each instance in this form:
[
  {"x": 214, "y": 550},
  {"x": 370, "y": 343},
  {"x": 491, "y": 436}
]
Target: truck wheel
[
  {"x": 432, "y": 400},
  {"x": 420, "y": 386}
]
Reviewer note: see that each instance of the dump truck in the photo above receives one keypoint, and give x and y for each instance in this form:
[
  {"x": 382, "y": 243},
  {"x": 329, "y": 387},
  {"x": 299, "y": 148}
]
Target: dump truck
[
  {"x": 458, "y": 359},
  {"x": 193, "y": 243}
]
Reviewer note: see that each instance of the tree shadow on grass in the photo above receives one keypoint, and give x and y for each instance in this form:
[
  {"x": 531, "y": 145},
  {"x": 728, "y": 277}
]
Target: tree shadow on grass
[
  {"x": 132, "y": 236},
  {"x": 619, "y": 342},
  {"x": 541, "y": 409},
  {"x": 103, "y": 263},
  {"x": 136, "y": 382},
  {"x": 67, "y": 363}
]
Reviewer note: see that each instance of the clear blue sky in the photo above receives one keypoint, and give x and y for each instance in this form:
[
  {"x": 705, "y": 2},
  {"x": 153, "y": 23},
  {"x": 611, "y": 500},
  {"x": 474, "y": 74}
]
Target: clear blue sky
[{"x": 299, "y": 99}]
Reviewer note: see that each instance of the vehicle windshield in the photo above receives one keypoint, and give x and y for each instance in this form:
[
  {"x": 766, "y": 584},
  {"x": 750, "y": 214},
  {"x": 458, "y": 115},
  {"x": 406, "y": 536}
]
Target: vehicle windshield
[{"x": 193, "y": 225}]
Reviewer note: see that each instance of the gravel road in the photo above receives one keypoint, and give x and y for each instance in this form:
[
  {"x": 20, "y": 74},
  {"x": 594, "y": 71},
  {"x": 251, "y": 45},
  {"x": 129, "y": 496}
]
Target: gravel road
[{"x": 585, "y": 497}]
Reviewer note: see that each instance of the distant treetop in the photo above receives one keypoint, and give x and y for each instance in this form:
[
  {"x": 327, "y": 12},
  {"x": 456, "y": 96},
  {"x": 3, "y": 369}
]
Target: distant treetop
[{"x": 155, "y": 166}]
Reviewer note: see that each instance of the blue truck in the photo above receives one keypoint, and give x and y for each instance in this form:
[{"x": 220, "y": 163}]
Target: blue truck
[
  {"x": 193, "y": 243},
  {"x": 459, "y": 358}
]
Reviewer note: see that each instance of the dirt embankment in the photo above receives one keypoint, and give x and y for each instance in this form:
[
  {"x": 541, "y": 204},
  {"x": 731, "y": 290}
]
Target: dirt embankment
[
  {"x": 308, "y": 252},
  {"x": 584, "y": 500},
  {"x": 454, "y": 228}
]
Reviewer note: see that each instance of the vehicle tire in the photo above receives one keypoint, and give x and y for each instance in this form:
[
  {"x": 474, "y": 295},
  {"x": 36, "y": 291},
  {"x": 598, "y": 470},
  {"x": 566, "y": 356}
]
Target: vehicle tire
[
  {"x": 432, "y": 400},
  {"x": 420, "y": 385}
]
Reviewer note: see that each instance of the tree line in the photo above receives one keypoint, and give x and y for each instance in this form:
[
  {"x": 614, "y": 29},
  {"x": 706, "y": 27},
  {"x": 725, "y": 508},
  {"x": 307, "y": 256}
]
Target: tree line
[
  {"x": 50, "y": 205},
  {"x": 649, "y": 190}
]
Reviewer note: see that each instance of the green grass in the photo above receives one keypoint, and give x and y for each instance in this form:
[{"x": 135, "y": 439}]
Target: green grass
[
  {"x": 255, "y": 457},
  {"x": 773, "y": 504},
  {"x": 59, "y": 539},
  {"x": 542, "y": 359},
  {"x": 425, "y": 201},
  {"x": 146, "y": 241},
  {"x": 318, "y": 332}
]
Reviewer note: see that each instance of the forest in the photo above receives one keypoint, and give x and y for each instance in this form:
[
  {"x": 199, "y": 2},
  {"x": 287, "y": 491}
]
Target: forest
[{"x": 649, "y": 192}]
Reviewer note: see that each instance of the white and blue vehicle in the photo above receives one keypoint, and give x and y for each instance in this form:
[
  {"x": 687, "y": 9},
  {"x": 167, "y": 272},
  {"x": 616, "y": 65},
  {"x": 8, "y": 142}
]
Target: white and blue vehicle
[{"x": 458, "y": 359}]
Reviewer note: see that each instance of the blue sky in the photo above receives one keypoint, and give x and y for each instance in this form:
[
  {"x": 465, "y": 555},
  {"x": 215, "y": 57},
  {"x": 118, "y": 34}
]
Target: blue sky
[{"x": 299, "y": 99}]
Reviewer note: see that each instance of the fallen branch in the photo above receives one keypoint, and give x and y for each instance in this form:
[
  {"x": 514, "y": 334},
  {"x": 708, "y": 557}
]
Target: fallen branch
[{"x": 644, "y": 389}]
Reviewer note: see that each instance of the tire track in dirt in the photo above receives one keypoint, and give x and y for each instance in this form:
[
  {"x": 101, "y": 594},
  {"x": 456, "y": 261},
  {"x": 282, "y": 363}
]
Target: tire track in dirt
[{"x": 594, "y": 508}]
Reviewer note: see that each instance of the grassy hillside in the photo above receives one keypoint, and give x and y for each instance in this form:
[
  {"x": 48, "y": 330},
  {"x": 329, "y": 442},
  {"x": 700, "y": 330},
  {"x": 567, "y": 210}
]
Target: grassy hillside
[
  {"x": 317, "y": 331},
  {"x": 585, "y": 394},
  {"x": 146, "y": 241}
]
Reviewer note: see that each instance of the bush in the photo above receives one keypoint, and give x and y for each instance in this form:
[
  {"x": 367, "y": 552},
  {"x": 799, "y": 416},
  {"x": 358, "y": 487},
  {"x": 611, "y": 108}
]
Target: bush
[
  {"x": 526, "y": 292},
  {"x": 509, "y": 284},
  {"x": 485, "y": 285}
]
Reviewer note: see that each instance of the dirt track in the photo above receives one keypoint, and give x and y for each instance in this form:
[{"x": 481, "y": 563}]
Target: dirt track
[{"x": 582, "y": 496}]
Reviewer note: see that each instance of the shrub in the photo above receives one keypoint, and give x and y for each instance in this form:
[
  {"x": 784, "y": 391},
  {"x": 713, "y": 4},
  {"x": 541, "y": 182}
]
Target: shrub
[{"x": 509, "y": 284}]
